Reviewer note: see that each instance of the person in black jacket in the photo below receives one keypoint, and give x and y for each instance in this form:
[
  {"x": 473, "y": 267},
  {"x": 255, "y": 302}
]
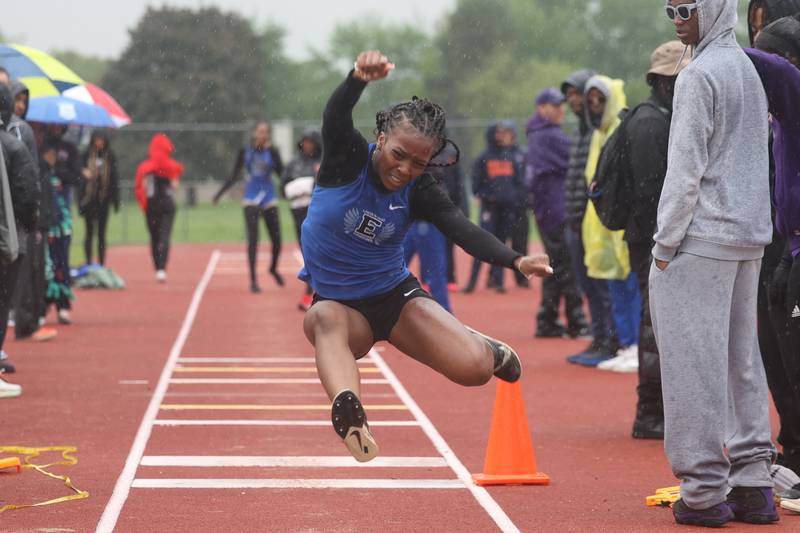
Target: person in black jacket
[
  {"x": 29, "y": 293},
  {"x": 297, "y": 184},
  {"x": 575, "y": 197},
  {"x": 648, "y": 131},
  {"x": 498, "y": 182},
  {"x": 99, "y": 190},
  {"x": 25, "y": 194}
]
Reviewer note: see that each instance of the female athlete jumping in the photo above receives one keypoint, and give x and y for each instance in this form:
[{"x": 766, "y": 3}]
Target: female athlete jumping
[{"x": 366, "y": 197}]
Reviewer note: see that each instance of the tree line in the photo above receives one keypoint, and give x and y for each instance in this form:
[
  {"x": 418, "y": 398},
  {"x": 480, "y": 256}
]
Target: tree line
[{"x": 485, "y": 59}]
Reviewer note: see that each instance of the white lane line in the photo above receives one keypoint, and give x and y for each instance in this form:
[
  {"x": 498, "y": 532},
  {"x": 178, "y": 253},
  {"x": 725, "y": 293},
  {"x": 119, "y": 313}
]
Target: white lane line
[
  {"x": 481, "y": 495},
  {"x": 262, "y": 381},
  {"x": 121, "y": 489},
  {"x": 256, "y": 360},
  {"x": 133, "y": 382},
  {"x": 321, "y": 423},
  {"x": 298, "y": 484},
  {"x": 300, "y": 461}
]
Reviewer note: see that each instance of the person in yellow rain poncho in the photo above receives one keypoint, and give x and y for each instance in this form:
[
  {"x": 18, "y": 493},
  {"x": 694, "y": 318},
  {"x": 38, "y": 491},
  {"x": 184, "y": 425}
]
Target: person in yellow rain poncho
[{"x": 606, "y": 252}]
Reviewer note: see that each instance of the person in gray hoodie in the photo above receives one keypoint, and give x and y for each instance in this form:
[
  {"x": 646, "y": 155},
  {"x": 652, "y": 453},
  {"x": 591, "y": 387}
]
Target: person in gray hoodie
[{"x": 712, "y": 225}]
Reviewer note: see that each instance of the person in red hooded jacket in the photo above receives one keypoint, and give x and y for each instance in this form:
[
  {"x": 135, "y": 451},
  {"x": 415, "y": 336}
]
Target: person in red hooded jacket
[{"x": 157, "y": 180}]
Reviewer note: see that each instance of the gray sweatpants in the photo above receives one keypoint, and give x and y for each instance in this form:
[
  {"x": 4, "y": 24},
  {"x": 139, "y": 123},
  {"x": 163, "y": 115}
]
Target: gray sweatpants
[{"x": 714, "y": 387}]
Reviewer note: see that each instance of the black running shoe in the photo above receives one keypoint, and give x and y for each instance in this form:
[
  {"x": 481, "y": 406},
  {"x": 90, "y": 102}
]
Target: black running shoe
[
  {"x": 254, "y": 288},
  {"x": 350, "y": 423},
  {"x": 716, "y": 516},
  {"x": 507, "y": 364}
]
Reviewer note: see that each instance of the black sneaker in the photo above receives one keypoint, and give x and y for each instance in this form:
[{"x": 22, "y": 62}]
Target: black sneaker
[
  {"x": 649, "y": 422},
  {"x": 507, "y": 364},
  {"x": 254, "y": 288},
  {"x": 350, "y": 423},
  {"x": 6, "y": 367},
  {"x": 716, "y": 516},
  {"x": 753, "y": 505},
  {"x": 550, "y": 331}
]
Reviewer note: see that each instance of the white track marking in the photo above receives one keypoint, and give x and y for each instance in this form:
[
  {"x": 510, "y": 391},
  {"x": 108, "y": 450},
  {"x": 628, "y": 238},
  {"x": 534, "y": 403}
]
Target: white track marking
[
  {"x": 261, "y": 381},
  {"x": 481, "y": 495},
  {"x": 300, "y": 461},
  {"x": 395, "y": 484},
  {"x": 321, "y": 423},
  {"x": 133, "y": 382},
  {"x": 256, "y": 360},
  {"x": 121, "y": 489}
]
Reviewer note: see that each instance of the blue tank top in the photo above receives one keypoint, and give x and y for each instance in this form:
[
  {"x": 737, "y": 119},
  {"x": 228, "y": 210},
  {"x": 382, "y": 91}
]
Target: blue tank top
[
  {"x": 353, "y": 238},
  {"x": 259, "y": 189}
]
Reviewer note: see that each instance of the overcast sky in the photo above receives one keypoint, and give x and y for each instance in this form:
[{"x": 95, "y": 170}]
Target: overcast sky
[{"x": 99, "y": 27}]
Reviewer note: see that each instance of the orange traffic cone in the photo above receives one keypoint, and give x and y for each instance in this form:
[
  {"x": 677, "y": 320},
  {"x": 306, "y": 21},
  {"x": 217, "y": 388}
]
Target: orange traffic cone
[{"x": 509, "y": 455}]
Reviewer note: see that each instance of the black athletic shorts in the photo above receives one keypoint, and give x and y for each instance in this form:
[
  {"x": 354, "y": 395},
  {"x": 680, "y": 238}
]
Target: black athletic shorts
[{"x": 383, "y": 311}]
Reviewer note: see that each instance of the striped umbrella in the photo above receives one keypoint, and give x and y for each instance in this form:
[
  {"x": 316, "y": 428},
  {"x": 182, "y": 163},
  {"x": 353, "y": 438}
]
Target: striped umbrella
[{"x": 58, "y": 95}]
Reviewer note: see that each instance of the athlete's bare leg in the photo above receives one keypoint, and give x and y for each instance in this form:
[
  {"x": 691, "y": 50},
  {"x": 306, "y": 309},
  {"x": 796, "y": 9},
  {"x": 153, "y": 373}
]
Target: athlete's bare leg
[
  {"x": 434, "y": 337},
  {"x": 340, "y": 335}
]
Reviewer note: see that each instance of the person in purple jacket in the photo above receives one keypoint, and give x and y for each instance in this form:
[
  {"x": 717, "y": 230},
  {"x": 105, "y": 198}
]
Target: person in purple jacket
[
  {"x": 777, "y": 60},
  {"x": 546, "y": 166}
]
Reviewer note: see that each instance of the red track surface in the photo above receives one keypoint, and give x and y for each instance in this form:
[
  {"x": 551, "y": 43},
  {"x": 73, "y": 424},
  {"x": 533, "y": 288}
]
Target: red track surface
[{"x": 78, "y": 391}]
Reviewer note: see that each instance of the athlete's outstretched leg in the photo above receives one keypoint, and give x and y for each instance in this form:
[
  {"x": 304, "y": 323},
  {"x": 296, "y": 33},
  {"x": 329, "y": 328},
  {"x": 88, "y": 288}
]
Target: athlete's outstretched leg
[
  {"x": 340, "y": 335},
  {"x": 274, "y": 229},
  {"x": 251, "y": 231},
  {"x": 434, "y": 337}
]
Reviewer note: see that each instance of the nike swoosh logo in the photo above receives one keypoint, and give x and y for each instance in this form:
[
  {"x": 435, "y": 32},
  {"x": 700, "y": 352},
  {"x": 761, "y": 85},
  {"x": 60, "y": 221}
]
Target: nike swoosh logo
[
  {"x": 405, "y": 294},
  {"x": 396, "y": 207}
]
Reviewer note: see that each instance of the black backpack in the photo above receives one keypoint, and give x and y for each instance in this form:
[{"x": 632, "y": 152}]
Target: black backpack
[{"x": 613, "y": 183}]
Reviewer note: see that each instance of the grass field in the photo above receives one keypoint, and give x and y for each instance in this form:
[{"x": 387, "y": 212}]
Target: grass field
[{"x": 201, "y": 224}]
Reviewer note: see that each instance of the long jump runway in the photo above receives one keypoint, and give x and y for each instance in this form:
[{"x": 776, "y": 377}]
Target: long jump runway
[{"x": 204, "y": 413}]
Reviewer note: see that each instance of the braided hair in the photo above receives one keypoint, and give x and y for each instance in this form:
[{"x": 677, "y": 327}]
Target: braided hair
[{"x": 427, "y": 117}]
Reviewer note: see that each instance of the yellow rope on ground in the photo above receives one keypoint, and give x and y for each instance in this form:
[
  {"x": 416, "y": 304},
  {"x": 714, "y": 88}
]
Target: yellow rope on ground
[{"x": 31, "y": 453}]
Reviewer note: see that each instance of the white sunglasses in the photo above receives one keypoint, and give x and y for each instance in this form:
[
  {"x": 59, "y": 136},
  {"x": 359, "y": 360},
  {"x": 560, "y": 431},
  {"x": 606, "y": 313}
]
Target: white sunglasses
[{"x": 684, "y": 11}]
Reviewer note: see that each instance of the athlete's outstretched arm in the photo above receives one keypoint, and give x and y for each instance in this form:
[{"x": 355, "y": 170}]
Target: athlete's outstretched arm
[
  {"x": 430, "y": 202},
  {"x": 344, "y": 148},
  {"x": 237, "y": 172}
]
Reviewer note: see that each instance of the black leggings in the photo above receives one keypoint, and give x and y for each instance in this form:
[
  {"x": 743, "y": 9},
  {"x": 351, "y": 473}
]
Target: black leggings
[
  {"x": 299, "y": 215},
  {"x": 251, "y": 216},
  {"x": 96, "y": 222},
  {"x": 160, "y": 215}
]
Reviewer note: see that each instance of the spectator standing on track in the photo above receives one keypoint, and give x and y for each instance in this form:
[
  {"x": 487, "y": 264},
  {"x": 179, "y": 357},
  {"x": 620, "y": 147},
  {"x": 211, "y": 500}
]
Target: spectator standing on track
[
  {"x": 59, "y": 292},
  {"x": 777, "y": 61},
  {"x": 29, "y": 293},
  {"x": 604, "y": 342},
  {"x": 546, "y": 165},
  {"x": 99, "y": 191},
  {"x": 259, "y": 159},
  {"x": 298, "y": 184},
  {"x": 606, "y": 254},
  {"x": 21, "y": 192},
  {"x": 453, "y": 181},
  {"x": 647, "y": 136},
  {"x": 704, "y": 279},
  {"x": 770, "y": 320},
  {"x": 67, "y": 169},
  {"x": 497, "y": 180},
  {"x": 157, "y": 179}
]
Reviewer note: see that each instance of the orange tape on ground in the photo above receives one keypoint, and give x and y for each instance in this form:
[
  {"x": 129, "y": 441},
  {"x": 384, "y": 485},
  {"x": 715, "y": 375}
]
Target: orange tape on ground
[{"x": 31, "y": 453}]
